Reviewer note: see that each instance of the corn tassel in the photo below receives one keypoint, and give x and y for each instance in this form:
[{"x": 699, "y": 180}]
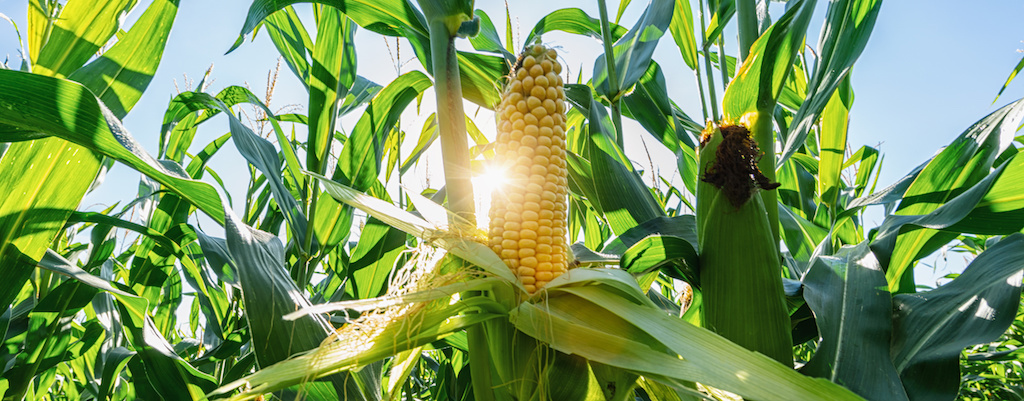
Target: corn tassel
[
  {"x": 528, "y": 215},
  {"x": 740, "y": 268}
]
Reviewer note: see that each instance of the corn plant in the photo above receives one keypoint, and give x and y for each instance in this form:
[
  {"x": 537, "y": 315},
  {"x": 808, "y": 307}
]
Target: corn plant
[{"x": 756, "y": 277}]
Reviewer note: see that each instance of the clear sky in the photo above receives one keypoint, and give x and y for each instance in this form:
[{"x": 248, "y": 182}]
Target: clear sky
[{"x": 930, "y": 70}]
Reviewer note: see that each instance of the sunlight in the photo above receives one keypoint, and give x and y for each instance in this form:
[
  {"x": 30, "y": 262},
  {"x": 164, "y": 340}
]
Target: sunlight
[{"x": 491, "y": 179}]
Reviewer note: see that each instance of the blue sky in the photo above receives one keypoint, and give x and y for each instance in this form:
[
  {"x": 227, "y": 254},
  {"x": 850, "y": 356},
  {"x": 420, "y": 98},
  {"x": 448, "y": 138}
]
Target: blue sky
[{"x": 930, "y": 70}]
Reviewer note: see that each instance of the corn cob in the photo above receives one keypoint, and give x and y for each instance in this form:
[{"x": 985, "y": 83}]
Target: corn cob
[
  {"x": 740, "y": 269},
  {"x": 529, "y": 215}
]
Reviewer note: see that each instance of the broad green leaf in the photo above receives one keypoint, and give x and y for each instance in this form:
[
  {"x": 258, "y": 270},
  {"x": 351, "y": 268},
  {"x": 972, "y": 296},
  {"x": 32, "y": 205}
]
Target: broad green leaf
[
  {"x": 682, "y": 32},
  {"x": 332, "y": 74},
  {"x": 834, "y": 121},
  {"x": 172, "y": 376},
  {"x": 624, "y": 199},
  {"x": 120, "y": 75},
  {"x": 683, "y": 226},
  {"x": 853, "y": 310},
  {"x": 761, "y": 78},
  {"x": 386, "y": 17},
  {"x": 572, "y": 20},
  {"x": 269, "y": 293},
  {"x": 800, "y": 235},
  {"x": 723, "y": 13},
  {"x": 1013, "y": 74},
  {"x": 360, "y": 161},
  {"x": 847, "y": 27},
  {"x": 488, "y": 40},
  {"x": 77, "y": 34},
  {"x": 259, "y": 152},
  {"x": 48, "y": 167},
  {"x": 374, "y": 257},
  {"x": 931, "y": 328},
  {"x": 958, "y": 167},
  {"x": 597, "y": 315},
  {"x": 663, "y": 252},
  {"x": 292, "y": 41},
  {"x": 632, "y": 52},
  {"x": 649, "y": 105},
  {"x": 946, "y": 217}
]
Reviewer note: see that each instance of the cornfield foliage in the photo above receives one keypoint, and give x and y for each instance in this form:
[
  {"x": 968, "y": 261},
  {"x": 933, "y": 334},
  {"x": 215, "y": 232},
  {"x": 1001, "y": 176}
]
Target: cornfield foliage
[{"x": 750, "y": 272}]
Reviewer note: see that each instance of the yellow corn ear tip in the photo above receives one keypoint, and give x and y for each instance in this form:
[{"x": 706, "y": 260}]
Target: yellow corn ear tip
[
  {"x": 529, "y": 232},
  {"x": 732, "y": 166}
]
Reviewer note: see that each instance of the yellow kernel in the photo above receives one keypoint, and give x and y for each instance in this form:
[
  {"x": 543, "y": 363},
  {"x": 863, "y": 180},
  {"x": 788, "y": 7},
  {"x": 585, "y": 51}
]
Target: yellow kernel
[
  {"x": 539, "y": 112},
  {"x": 521, "y": 74},
  {"x": 532, "y": 197},
  {"x": 534, "y": 188},
  {"x": 531, "y": 130},
  {"x": 527, "y": 83},
  {"x": 526, "y": 271},
  {"x": 531, "y": 225},
  {"x": 526, "y": 151},
  {"x": 526, "y": 253},
  {"x": 559, "y": 108},
  {"x": 545, "y": 266},
  {"x": 536, "y": 71},
  {"x": 541, "y": 160},
  {"x": 512, "y": 226},
  {"x": 509, "y": 235},
  {"x": 528, "y": 261},
  {"x": 533, "y": 102},
  {"x": 522, "y": 107},
  {"x": 528, "y": 234},
  {"x": 552, "y": 54},
  {"x": 509, "y": 244},
  {"x": 543, "y": 257},
  {"x": 547, "y": 121},
  {"x": 518, "y": 123},
  {"x": 545, "y": 232},
  {"x": 546, "y": 65},
  {"x": 516, "y": 135},
  {"x": 511, "y": 217},
  {"x": 545, "y": 151},
  {"x": 538, "y": 91},
  {"x": 546, "y": 131},
  {"x": 509, "y": 253},
  {"x": 530, "y": 119},
  {"x": 529, "y": 61},
  {"x": 545, "y": 239},
  {"x": 546, "y": 214},
  {"x": 544, "y": 276},
  {"x": 530, "y": 288},
  {"x": 538, "y": 170},
  {"x": 541, "y": 81},
  {"x": 543, "y": 248},
  {"x": 528, "y": 244},
  {"x": 529, "y": 215},
  {"x": 544, "y": 141},
  {"x": 552, "y": 94},
  {"x": 548, "y": 196},
  {"x": 550, "y": 106},
  {"x": 530, "y": 141},
  {"x": 556, "y": 258},
  {"x": 557, "y": 68}
]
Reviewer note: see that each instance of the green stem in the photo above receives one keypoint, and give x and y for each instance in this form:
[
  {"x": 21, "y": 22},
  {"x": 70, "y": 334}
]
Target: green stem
[
  {"x": 764, "y": 136},
  {"x": 712, "y": 98},
  {"x": 700, "y": 88},
  {"x": 723, "y": 63},
  {"x": 451, "y": 120},
  {"x": 746, "y": 21},
  {"x": 613, "y": 78}
]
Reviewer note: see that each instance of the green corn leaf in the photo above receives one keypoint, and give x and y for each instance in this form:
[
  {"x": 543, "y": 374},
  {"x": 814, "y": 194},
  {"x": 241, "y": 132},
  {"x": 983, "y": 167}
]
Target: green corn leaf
[
  {"x": 75, "y": 35},
  {"x": 332, "y": 74},
  {"x": 291, "y": 40},
  {"x": 931, "y": 328},
  {"x": 633, "y": 51},
  {"x": 682, "y": 32},
  {"x": 848, "y": 25},
  {"x": 852, "y": 310},
  {"x": 572, "y": 20},
  {"x": 834, "y": 122},
  {"x": 961, "y": 165}
]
